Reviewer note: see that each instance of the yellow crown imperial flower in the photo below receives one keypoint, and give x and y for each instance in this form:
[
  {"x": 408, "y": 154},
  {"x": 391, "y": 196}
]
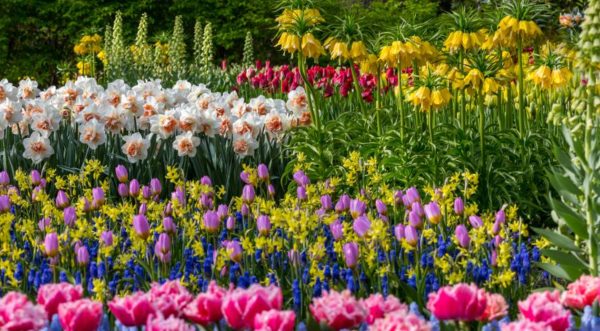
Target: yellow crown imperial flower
[
  {"x": 358, "y": 52},
  {"x": 339, "y": 50}
]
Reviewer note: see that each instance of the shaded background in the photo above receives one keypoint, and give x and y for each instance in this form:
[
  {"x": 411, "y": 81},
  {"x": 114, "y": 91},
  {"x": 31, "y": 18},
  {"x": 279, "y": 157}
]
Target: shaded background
[{"x": 37, "y": 36}]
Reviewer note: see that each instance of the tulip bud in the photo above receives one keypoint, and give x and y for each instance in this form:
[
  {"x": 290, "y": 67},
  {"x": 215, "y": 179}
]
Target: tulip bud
[
  {"x": 36, "y": 178},
  {"x": 121, "y": 173},
  {"x": 361, "y": 225},
  {"x": 230, "y": 223},
  {"x": 350, "y": 254},
  {"x": 123, "y": 190},
  {"x": 414, "y": 219},
  {"x": 51, "y": 244},
  {"x": 83, "y": 256},
  {"x": 134, "y": 188},
  {"x": 337, "y": 229},
  {"x": 263, "y": 224},
  {"x": 459, "y": 206},
  {"x": 4, "y": 203},
  {"x": 69, "y": 216},
  {"x": 248, "y": 193},
  {"x": 263, "y": 172},
  {"x": 326, "y": 202},
  {"x": 433, "y": 213},
  {"x": 222, "y": 211},
  {"x": 462, "y": 235},
  {"x": 162, "y": 248},
  {"x": 205, "y": 180},
  {"x": 381, "y": 207},
  {"x": 97, "y": 197},
  {"x": 271, "y": 190},
  {"x": 169, "y": 225},
  {"x": 143, "y": 209},
  {"x": 141, "y": 226},
  {"x": 4, "y": 178},
  {"x": 418, "y": 208},
  {"x": 475, "y": 221},
  {"x": 357, "y": 208},
  {"x": 146, "y": 192},
  {"x": 107, "y": 238},
  {"x": 399, "y": 232},
  {"x": 301, "y": 193},
  {"x": 411, "y": 235},
  {"x": 155, "y": 186},
  {"x": 412, "y": 195},
  {"x": 211, "y": 221}
]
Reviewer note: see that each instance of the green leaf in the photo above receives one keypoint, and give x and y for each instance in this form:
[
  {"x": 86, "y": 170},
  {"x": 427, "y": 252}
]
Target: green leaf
[
  {"x": 563, "y": 258},
  {"x": 575, "y": 222},
  {"x": 557, "y": 239},
  {"x": 564, "y": 272}
]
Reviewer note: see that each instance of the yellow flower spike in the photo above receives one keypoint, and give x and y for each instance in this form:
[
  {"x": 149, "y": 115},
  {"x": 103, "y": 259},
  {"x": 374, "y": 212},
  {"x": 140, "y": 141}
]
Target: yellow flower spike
[
  {"x": 339, "y": 50},
  {"x": 311, "y": 46},
  {"x": 358, "y": 51}
]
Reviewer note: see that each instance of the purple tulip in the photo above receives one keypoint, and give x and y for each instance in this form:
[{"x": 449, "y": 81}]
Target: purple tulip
[
  {"x": 300, "y": 178},
  {"x": 411, "y": 235},
  {"x": 399, "y": 232},
  {"x": 343, "y": 204},
  {"x": 361, "y": 225},
  {"x": 326, "y": 202},
  {"x": 83, "y": 256},
  {"x": 337, "y": 229},
  {"x": 263, "y": 172},
  {"x": 222, "y": 211},
  {"x": 44, "y": 223},
  {"x": 123, "y": 190},
  {"x": 414, "y": 219},
  {"x": 500, "y": 216},
  {"x": 496, "y": 227},
  {"x": 230, "y": 223},
  {"x": 462, "y": 235},
  {"x": 248, "y": 193},
  {"x": 459, "y": 206},
  {"x": 146, "y": 192},
  {"x": 234, "y": 249},
  {"x": 206, "y": 201},
  {"x": 51, "y": 244},
  {"x": 97, "y": 197},
  {"x": 357, "y": 208},
  {"x": 398, "y": 198},
  {"x": 69, "y": 216},
  {"x": 143, "y": 209},
  {"x": 245, "y": 177},
  {"x": 162, "y": 248},
  {"x": 155, "y": 186},
  {"x": 263, "y": 224},
  {"x": 107, "y": 238},
  {"x": 4, "y": 203},
  {"x": 412, "y": 195},
  {"x": 168, "y": 211},
  {"x": 206, "y": 181},
  {"x": 4, "y": 178},
  {"x": 475, "y": 221},
  {"x": 245, "y": 210},
  {"x": 433, "y": 213},
  {"x": 134, "y": 188},
  {"x": 179, "y": 195},
  {"x": 36, "y": 178},
  {"x": 418, "y": 208},
  {"x": 350, "y": 254},
  {"x": 301, "y": 193},
  {"x": 381, "y": 207},
  {"x": 169, "y": 225},
  {"x": 122, "y": 174},
  {"x": 271, "y": 190},
  {"x": 211, "y": 221},
  {"x": 141, "y": 226}
]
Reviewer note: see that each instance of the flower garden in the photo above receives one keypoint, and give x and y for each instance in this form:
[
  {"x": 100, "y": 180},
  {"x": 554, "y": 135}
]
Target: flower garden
[{"x": 430, "y": 176}]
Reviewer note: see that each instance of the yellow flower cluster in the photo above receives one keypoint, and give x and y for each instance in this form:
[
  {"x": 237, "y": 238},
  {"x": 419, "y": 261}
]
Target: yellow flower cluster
[{"x": 88, "y": 44}]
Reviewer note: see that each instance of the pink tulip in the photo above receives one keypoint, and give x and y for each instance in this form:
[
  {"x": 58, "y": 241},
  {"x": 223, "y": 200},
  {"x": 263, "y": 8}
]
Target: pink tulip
[
  {"x": 460, "y": 302},
  {"x": 50, "y": 296},
  {"x": 545, "y": 307},
  {"x": 475, "y": 221},
  {"x": 234, "y": 249},
  {"x": 462, "y": 235},
  {"x": 132, "y": 310},
  {"x": 80, "y": 315},
  {"x": 582, "y": 292},
  {"x": 377, "y": 306},
  {"x": 459, "y": 206},
  {"x": 412, "y": 195},
  {"x": 206, "y": 307},
  {"x": 337, "y": 229},
  {"x": 525, "y": 325},
  {"x": 399, "y": 232},
  {"x": 51, "y": 244},
  {"x": 121, "y": 173},
  {"x": 357, "y": 208},
  {"x": 338, "y": 310},
  {"x": 275, "y": 320},
  {"x": 415, "y": 220},
  {"x": 240, "y": 306},
  {"x": 162, "y": 248},
  {"x": 170, "y": 298},
  {"x": 17, "y": 313},
  {"x": 172, "y": 323},
  {"x": 401, "y": 320},
  {"x": 433, "y": 213},
  {"x": 411, "y": 235},
  {"x": 496, "y": 307}
]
